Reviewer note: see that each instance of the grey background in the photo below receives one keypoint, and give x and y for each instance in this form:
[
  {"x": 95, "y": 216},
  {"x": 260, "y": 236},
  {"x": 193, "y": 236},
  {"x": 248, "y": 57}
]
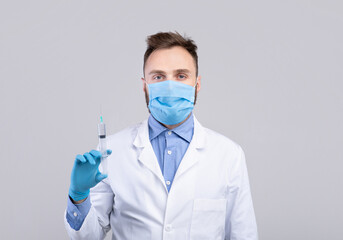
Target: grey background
[{"x": 271, "y": 81}]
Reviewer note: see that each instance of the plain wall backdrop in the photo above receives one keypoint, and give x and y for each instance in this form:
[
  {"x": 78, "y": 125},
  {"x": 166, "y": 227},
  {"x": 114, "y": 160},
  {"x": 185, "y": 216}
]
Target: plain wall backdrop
[{"x": 272, "y": 75}]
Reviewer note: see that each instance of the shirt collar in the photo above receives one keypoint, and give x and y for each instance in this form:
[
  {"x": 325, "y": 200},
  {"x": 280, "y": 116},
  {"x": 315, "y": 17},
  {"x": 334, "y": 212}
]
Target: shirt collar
[{"x": 185, "y": 130}]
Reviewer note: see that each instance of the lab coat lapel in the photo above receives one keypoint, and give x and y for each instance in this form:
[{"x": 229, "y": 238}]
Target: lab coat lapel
[
  {"x": 146, "y": 154},
  {"x": 191, "y": 156}
]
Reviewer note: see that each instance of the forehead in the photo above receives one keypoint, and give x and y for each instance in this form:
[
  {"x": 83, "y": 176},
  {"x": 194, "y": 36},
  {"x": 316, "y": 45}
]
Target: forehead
[{"x": 170, "y": 58}]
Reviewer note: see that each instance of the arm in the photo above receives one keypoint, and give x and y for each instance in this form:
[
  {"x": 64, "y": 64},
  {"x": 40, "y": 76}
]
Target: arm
[
  {"x": 77, "y": 212},
  {"x": 97, "y": 222},
  {"x": 241, "y": 221},
  {"x": 88, "y": 187}
]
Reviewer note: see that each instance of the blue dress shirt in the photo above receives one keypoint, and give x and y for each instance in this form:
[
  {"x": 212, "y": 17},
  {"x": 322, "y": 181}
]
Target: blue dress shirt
[
  {"x": 169, "y": 146},
  {"x": 76, "y": 213}
]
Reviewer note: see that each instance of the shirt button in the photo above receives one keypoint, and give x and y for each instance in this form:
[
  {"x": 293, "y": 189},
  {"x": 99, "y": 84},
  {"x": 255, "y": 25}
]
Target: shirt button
[
  {"x": 169, "y": 152},
  {"x": 169, "y": 132},
  {"x": 168, "y": 183},
  {"x": 75, "y": 214},
  {"x": 168, "y": 227}
]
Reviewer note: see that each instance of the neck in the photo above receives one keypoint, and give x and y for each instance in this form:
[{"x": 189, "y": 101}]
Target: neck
[{"x": 176, "y": 125}]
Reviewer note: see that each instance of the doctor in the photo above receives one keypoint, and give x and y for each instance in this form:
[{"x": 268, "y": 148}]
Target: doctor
[{"x": 168, "y": 176}]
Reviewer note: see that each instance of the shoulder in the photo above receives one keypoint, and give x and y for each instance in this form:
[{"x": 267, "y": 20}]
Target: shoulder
[
  {"x": 221, "y": 142},
  {"x": 228, "y": 153}
]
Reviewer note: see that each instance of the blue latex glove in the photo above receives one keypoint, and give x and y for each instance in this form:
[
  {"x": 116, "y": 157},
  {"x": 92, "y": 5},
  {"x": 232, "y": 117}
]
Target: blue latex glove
[{"x": 85, "y": 174}]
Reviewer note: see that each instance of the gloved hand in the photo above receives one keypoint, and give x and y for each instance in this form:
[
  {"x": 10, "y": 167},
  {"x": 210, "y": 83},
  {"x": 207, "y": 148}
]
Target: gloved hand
[{"x": 85, "y": 174}]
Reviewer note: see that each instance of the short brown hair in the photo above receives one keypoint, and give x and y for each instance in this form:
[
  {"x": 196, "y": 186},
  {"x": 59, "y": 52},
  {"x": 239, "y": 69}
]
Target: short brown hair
[{"x": 162, "y": 40}]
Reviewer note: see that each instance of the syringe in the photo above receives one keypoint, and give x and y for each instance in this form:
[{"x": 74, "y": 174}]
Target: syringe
[{"x": 102, "y": 145}]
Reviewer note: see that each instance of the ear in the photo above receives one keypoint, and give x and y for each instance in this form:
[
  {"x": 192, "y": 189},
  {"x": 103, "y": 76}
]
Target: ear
[
  {"x": 143, "y": 81},
  {"x": 198, "y": 83}
]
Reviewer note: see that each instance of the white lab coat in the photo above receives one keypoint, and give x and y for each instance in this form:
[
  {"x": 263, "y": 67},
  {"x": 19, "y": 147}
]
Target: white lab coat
[{"x": 209, "y": 197}]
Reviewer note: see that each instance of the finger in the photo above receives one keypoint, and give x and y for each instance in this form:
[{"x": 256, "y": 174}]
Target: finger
[
  {"x": 99, "y": 177},
  {"x": 80, "y": 158},
  {"x": 96, "y": 154},
  {"x": 89, "y": 158},
  {"x": 109, "y": 151}
]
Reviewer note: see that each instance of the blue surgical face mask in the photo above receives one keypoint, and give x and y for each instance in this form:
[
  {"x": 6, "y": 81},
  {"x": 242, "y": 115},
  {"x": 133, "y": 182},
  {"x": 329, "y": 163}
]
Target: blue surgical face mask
[{"x": 170, "y": 102}]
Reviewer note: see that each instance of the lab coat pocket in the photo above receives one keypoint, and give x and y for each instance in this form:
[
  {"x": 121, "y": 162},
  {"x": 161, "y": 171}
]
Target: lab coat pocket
[{"x": 208, "y": 219}]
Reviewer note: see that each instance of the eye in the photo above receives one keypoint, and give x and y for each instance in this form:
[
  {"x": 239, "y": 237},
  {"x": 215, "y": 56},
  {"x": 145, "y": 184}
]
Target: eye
[
  {"x": 157, "y": 77},
  {"x": 182, "y": 76}
]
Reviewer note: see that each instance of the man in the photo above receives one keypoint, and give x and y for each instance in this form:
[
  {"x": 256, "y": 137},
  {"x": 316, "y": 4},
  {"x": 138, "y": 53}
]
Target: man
[{"x": 168, "y": 176}]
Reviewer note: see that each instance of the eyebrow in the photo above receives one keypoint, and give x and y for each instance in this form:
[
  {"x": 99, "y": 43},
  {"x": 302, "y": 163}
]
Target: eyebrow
[{"x": 183, "y": 70}]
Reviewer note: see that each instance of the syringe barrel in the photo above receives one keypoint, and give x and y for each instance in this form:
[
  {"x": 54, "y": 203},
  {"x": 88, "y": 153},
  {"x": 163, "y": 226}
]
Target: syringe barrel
[
  {"x": 103, "y": 147},
  {"x": 102, "y": 130},
  {"x": 102, "y": 139}
]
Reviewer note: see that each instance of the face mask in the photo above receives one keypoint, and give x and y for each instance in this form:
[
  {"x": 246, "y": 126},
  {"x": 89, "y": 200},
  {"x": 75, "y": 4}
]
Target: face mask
[{"x": 170, "y": 102}]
